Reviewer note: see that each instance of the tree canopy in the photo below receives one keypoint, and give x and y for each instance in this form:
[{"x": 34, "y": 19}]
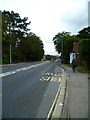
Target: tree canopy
[
  {"x": 84, "y": 49},
  {"x": 63, "y": 43},
  {"x": 84, "y": 33},
  {"x": 84, "y": 45},
  {"x": 25, "y": 46},
  {"x": 59, "y": 40}
]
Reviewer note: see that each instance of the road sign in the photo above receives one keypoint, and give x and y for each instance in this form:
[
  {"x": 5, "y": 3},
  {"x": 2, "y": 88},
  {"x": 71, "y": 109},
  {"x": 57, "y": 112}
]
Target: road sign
[{"x": 72, "y": 55}]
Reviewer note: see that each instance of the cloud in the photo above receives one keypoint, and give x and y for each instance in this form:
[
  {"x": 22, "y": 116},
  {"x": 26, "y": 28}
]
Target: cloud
[
  {"x": 49, "y": 48},
  {"x": 48, "y": 17},
  {"x": 76, "y": 16}
]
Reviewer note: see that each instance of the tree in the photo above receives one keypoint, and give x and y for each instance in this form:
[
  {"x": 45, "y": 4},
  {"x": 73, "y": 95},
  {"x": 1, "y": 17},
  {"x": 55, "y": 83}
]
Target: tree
[
  {"x": 59, "y": 41},
  {"x": 64, "y": 44},
  {"x": 84, "y": 50},
  {"x": 84, "y": 45},
  {"x": 35, "y": 47},
  {"x": 31, "y": 48},
  {"x": 68, "y": 47},
  {"x": 14, "y": 29},
  {"x": 84, "y": 33},
  {"x": 49, "y": 57}
]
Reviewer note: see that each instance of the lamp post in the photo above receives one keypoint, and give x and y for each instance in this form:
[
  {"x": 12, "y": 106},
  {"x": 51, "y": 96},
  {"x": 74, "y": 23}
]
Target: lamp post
[
  {"x": 62, "y": 46},
  {"x": 10, "y": 48},
  {"x": 62, "y": 50},
  {"x": 10, "y": 54}
]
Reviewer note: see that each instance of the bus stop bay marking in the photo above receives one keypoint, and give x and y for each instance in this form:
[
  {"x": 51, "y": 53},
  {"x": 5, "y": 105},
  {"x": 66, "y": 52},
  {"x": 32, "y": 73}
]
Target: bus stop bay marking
[{"x": 56, "y": 77}]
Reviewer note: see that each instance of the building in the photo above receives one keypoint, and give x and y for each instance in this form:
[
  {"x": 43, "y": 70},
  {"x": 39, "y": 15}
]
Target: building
[{"x": 75, "y": 50}]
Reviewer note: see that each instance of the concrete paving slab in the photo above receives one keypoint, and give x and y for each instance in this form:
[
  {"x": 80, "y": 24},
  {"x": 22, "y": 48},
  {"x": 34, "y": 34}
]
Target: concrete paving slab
[{"x": 77, "y": 94}]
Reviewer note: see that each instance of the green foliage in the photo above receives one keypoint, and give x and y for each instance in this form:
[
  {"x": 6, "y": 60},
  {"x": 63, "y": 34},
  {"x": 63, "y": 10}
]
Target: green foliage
[
  {"x": 13, "y": 31},
  {"x": 68, "y": 47},
  {"x": 84, "y": 45},
  {"x": 84, "y": 33},
  {"x": 34, "y": 49},
  {"x": 84, "y": 49},
  {"x": 82, "y": 69},
  {"x": 30, "y": 48},
  {"x": 48, "y": 57},
  {"x": 25, "y": 46},
  {"x": 63, "y": 43},
  {"x": 59, "y": 40},
  {"x": 51, "y": 57}
]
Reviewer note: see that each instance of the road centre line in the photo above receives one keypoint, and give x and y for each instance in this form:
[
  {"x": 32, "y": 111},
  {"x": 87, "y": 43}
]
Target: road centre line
[{"x": 20, "y": 69}]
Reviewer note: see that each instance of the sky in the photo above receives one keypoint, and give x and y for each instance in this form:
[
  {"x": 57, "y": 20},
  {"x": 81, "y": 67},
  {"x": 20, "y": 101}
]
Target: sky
[{"x": 49, "y": 17}]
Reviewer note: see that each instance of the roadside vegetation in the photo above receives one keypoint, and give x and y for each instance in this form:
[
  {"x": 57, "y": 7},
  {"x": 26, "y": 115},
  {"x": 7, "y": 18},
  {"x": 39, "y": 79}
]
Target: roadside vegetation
[
  {"x": 63, "y": 42},
  {"x": 82, "y": 69},
  {"x": 17, "y": 39},
  {"x": 27, "y": 46}
]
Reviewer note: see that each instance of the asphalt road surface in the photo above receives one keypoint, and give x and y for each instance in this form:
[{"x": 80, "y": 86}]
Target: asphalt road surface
[{"x": 29, "y": 89}]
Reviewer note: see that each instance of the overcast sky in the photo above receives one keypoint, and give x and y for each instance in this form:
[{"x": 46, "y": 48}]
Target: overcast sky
[{"x": 49, "y": 17}]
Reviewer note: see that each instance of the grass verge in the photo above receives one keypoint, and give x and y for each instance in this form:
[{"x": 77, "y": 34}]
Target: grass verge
[{"x": 82, "y": 69}]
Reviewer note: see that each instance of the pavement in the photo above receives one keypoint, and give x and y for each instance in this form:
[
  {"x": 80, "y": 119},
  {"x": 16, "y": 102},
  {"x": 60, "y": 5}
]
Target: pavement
[{"x": 73, "y": 98}]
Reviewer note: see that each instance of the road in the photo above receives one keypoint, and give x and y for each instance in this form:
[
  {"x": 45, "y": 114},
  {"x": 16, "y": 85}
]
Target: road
[{"x": 29, "y": 89}]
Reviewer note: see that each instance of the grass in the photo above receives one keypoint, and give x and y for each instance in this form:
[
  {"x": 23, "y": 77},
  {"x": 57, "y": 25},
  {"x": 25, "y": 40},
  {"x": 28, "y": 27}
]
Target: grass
[
  {"x": 69, "y": 65},
  {"x": 82, "y": 69}
]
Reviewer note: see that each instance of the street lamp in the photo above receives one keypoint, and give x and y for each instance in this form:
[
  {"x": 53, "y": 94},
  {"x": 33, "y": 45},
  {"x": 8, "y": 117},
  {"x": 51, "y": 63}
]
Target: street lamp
[
  {"x": 10, "y": 49},
  {"x": 10, "y": 54},
  {"x": 61, "y": 50},
  {"x": 62, "y": 46}
]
